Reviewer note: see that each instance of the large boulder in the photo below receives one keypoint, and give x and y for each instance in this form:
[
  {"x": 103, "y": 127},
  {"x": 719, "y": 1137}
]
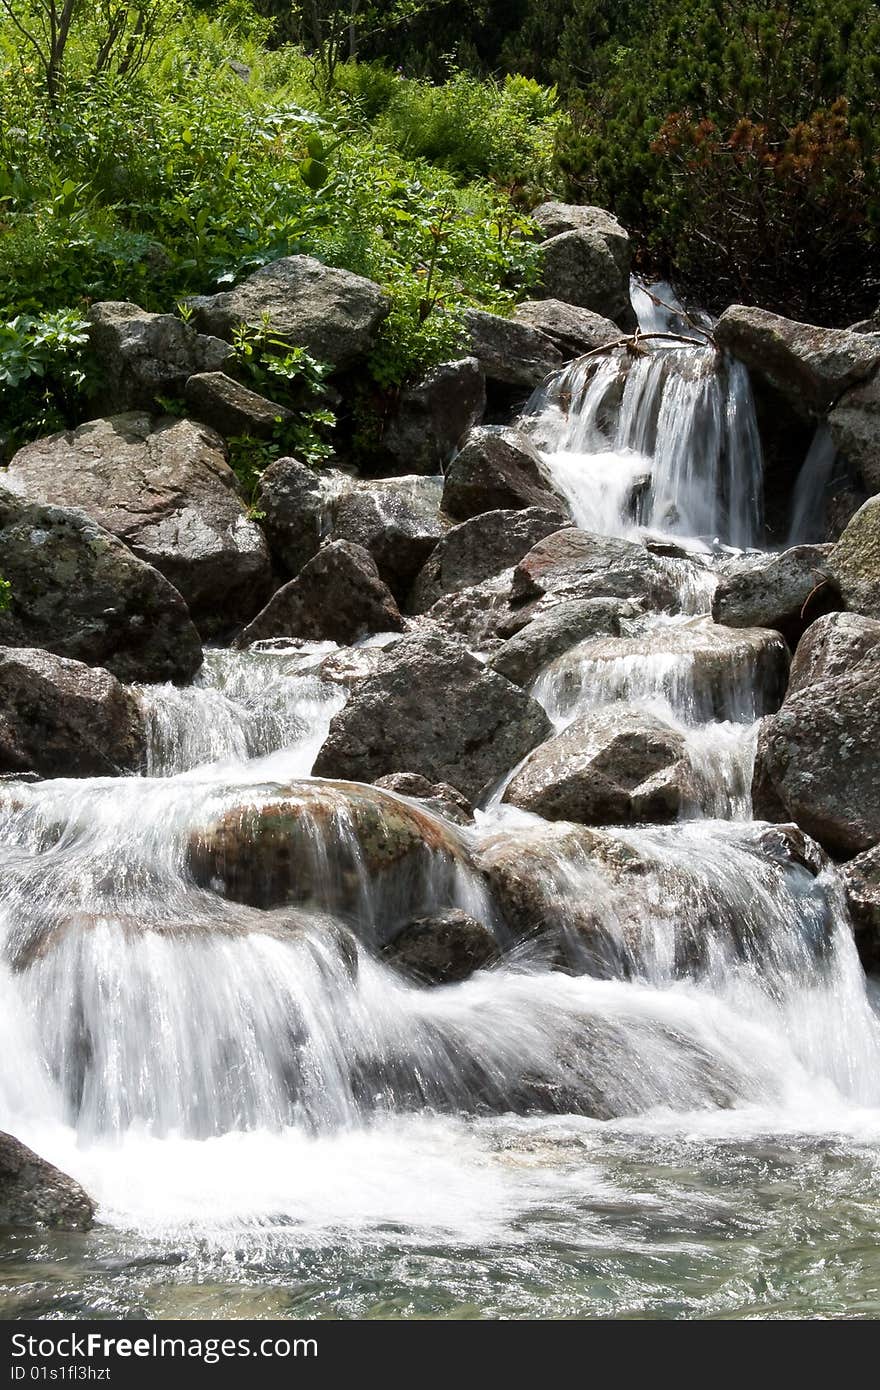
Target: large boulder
[
  {"x": 480, "y": 613},
  {"x": 855, "y": 429},
  {"x": 571, "y": 329},
  {"x": 163, "y": 486},
  {"x": 34, "y": 1192},
  {"x": 498, "y": 468},
  {"x": 143, "y": 356},
  {"x": 611, "y": 766},
  {"x": 816, "y": 761},
  {"x": 434, "y": 415},
  {"x": 224, "y": 404},
  {"x": 785, "y": 591},
  {"x": 442, "y": 949},
  {"x": 478, "y": 549},
  {"x": 331, "y": 313},
  {"x": 432, "y": 708},
  {"x": 511, "y": 354},
  {"x": 60, "y": 718},
  {"x": 809, "y": 367},
  {"x": 294, "y": 503},
  {"x": 854, "y": 563},
  {"x": 831, "y": 646},
  {"x": 337, "y": 597},
  {"x": 573, "y": 564},
  {"x": 80, "y": 592},
  {"x": 396, "y": 519},
  {"x": 861, "y": 882},
  {"x": 550, "y": 634},
  {"x": 586, "y": 260}
]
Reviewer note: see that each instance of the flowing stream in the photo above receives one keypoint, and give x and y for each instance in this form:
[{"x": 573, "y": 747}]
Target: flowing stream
[{"x": 682, "y": 1122}]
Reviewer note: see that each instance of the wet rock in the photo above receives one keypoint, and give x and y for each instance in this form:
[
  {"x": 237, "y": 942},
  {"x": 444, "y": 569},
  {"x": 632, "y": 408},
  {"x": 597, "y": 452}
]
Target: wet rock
[
  {"x": 349, "y": 665},
  {"x": 497, "y": 469},
  {"x": 397, "y": 520},
  {"x": 442, "y": 949},
  {"x": 608, "y": 767},
  {"x": 816, "y": 762},
  {"x": 432, "y": 708},
  {"x": 325, "y": 845},
  {"x": 60, "y": 718},
  {"x": 861, "y": 882},
  {"x": 337, "y": 597},
  {"x": 479, "y": 549},
  {"x": 331, "y": 313},
  {"x": 230, "y": 408},
  {"x": 293, "y": 500},
  {"x": 573, "y": 564},
  {"x": 142, "y": 356},
  {"x": 854, "y": 563},
  {"x": 511, "y": 353},
  {"x": 586, "y": 260},
  {"x": 784, "y": 591},
  {"x": 79, "y": 592},
  {"x": 855, "y": 429},
  {"x": 36, "y": 1193},
  {"x": 434, "y": 415},
  {"x": 552, "y": 633},
  {"x": 572, "y": 330},
  {"x": 437, "y": 796},
  {"x": 480, "y": 613},
  {"x": 831, "y": 646},
  {"x": 163, "y": 486},
  {"x": 809, "y": 367}
]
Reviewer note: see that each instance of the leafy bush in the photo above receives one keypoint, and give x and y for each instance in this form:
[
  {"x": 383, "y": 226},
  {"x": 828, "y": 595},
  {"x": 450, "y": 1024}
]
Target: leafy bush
[
  {"x": 42, "y": 373},
  {"x": 5, "y": 593}
]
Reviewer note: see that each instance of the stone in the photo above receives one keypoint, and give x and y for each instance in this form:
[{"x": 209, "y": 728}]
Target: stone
[
  {"x": 332, "y": 313},
  {"x": 222, "y": 403},
  {"x": 337, "y": 597},
  {"x": 573, "y": 564},
  {"x": 78, "y": 591},
  {"x": 433, "y": 416},
  {"x": 434, "y": 709},
  {"x": 809, "y": 367},
  {"x": 34, "y": 1192},
  {"x": 142, "y": 357},
  {"x": 586, "y": 260},
  {"x": 397, "y": 520},
  {"x": 554, "y": 218},
  {"x": 60, "y": 718},
  {"x": 816, "y": 761},
  {"x": 571, "y": 329},
  {"x": 294, "y": 502},
  {"x": 553, "y": 632},
  {"x": 784, "y": 591},
  {"x": 438, "y": 796},
  {"x": 163, "y": 486},
  {"x": 479, "y": 549},
  {"x": 511, "y": 354},
  {"x": 498, "y": 468},
  {"x": 861, "y": 883},
  {"x": 854, "y": 424},
  {"x": 612, "y": 766},
  {"x": 480, "y": 613},
  {"x": 831, "y": 646},
  {"x": 442, "y": 949},
  {"x": 854, "y": 563}
]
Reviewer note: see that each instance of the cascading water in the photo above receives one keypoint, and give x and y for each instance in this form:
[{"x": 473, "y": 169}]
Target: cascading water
[{"x": 276, "y": 1124}]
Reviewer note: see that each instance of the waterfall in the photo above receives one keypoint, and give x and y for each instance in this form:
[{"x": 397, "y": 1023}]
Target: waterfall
[
  {"x": 199, "y": 1018},
  {"x": 808, "y": 503}
]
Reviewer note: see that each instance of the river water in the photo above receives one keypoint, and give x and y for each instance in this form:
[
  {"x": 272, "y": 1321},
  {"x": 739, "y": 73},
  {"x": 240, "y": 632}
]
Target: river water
[{"x": 684, "y": 1123}]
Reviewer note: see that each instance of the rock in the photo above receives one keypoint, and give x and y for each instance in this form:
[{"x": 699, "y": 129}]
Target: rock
[
  {"x": 331, "y": 313},
  {"x": 79, "y": 592},
  {"x": 60, "y": 718},
  {"x": 817, "y": 759},
  {"x": 586, "y": 260},
  {"x": 143, "y": 356},
  {"x": 442, "y": 949},
  {"x": 163, "y": 486},
  {"x": 785, "y": 591},
  {"x": 326, "y": 845},
  {"x": 612, "y": 766},
  {"x": 480, "y": 613},
  {"x": 861, "y": 882},
  {"x": 855, "y": 429},
  {"x": 572, "y": 564},
  {"x": 337, "y": 597},
  {"x": 230, "y": 408},
  {"x": 397, "y": 520},
  {"x": 554, "y": 218},
  {"x": 809, "y": 367},
  {"x": 572, "y": 330},
  {"x": 348, "y": 665},
  {"x": 438, "y": 796},
  {"x": 831, "y": 646},
  {"x": 854, "y": 563},
  {"x": 36, "y": 1193},
  {"x": 294, "y": 502},
  {"x": 510, "y": 353},
  {"x": 432, "y": 708},
  {"x": 552, "y": 633},
  {"x": 479, "y": 549},
  {"x": 498, "y": 469},
  {"x": 434, "y": 415}
]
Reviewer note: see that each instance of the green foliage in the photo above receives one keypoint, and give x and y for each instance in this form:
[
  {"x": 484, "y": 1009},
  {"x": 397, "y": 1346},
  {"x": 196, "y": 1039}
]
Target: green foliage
[
  {"x": 5, "y": 593},
  {"x": 42, "y": 374},
  {"x": 293, "y": 379}
]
